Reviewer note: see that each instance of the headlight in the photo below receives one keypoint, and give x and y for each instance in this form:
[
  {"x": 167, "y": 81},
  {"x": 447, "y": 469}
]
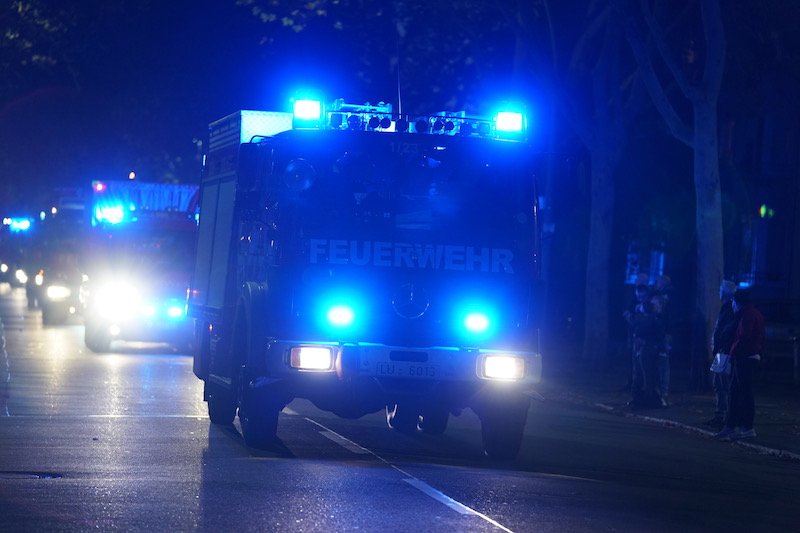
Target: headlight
[
  {"x": 504, "y": 367},
  {"x": 3, "y": 268},
  {"x": 21, "y": 276},
  {"x": 58, "y": 292},
  {"x": 116, "y": 300},
  {"x": 319, "y": 358}
]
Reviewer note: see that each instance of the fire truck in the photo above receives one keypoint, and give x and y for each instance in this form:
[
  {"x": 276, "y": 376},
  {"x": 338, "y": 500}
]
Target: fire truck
[
  {"x": 369, "y": 261},
  {"x": 139, "y": 257}
]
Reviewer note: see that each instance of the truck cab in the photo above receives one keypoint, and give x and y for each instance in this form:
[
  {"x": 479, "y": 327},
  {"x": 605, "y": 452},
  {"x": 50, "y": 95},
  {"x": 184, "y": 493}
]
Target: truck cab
[
  {"x": 369, "y": 261},
  {"x": 139, "y": 259}
]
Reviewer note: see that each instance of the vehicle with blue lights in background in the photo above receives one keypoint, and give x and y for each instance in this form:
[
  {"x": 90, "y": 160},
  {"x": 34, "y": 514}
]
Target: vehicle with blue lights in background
[
  {"x": 14, "y": 236},
  {"x": 367, "y": 260},
  {"x": 140, "y": 258}
]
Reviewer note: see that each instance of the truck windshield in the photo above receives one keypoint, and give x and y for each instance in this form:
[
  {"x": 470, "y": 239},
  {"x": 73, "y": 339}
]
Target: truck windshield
[{"x": 426, "y": 189}]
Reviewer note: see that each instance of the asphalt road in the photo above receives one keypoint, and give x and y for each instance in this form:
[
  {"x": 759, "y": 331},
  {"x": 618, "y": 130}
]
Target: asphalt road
[{"x": 121, "y": 441}]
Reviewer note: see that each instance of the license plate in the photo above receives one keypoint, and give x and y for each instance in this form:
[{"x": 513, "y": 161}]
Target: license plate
[{"x": 407, "y": 370}]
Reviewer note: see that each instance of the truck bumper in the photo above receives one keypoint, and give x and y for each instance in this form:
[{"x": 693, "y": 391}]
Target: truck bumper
[{"x": 362, "y": 378}]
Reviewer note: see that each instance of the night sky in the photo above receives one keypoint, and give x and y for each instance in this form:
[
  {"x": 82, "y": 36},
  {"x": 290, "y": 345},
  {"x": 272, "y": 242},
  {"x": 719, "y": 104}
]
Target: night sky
[{"x": 137, "y": 89}]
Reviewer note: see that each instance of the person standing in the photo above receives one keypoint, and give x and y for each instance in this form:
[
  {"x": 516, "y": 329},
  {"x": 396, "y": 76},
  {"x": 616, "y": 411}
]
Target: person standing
[
  {"x": 745, "y": 354},
  {"x": 648, "y": 340},
  {"x": 661, "y": 292},
  {"x": 721, "y": 341}
]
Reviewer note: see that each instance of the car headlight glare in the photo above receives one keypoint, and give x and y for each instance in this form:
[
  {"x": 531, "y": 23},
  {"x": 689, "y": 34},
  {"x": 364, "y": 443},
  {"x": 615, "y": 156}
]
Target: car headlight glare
[
  {"x": 58, "y": 292},
  {"x": 117, "y": 299}
]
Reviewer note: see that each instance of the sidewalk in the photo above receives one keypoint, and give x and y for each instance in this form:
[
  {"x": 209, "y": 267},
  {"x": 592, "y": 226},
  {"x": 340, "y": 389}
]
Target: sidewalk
[{"x": 777, "y": 420}]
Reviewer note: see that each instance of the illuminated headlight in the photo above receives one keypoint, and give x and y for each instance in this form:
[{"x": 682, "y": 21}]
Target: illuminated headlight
[
  {"x": 318, "y": 358},
  {"x": 503, "y": 367},
  {"x": 21, "y": 276},
  {"x": 3, "y": 268},
  {"x": 58, "y": 292},
  {"x": 117, "y": 299}
]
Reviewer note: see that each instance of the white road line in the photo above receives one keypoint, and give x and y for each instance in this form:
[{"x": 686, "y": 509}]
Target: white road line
[
  {"x": 289, "y": 411},
  {"x": 411, "y": 480},
  {"x": 439, "y": 496},
  {"x": 64, "y": 417},
  {"x": 345, "y": 443}
]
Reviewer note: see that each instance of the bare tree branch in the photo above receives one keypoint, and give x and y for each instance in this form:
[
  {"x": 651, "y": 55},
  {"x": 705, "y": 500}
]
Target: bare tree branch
[
  {"x": 715, "y": 48},
  {"x": 692, "y": 93},
  {"x": 676, "y": 125}
]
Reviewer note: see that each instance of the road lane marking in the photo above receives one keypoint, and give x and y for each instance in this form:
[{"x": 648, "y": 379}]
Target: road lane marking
[
  {"x": 345, "y": 442},
  {"x": 413, "y": 481},
  {"x": 439, "y": 496},
  {"x": 67, "y": 417}
]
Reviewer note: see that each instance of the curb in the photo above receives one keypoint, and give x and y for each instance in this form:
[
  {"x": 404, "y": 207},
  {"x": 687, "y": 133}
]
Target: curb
[{"x": 665, "y": 422}]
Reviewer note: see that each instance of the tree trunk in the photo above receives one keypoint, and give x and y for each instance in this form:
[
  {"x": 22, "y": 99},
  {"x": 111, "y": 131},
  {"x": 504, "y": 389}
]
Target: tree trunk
[
  {"x": 601, "y": 218},
  {"x": 708, "y": 223}
]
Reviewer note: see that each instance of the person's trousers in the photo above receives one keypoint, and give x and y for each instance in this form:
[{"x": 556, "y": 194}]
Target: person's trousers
[
  {"x": 721, "y": 381},
  {"x": 741, "y": 402}
]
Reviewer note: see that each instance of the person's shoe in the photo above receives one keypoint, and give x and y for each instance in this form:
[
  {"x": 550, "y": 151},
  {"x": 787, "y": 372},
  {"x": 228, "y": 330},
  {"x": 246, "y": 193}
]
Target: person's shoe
[
  {"x": 744, "y": 434},
  {"x": 726, "y": 433}
]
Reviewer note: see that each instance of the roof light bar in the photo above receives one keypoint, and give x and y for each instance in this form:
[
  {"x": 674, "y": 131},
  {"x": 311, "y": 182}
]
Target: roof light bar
[{"x": 340, "y": 115}]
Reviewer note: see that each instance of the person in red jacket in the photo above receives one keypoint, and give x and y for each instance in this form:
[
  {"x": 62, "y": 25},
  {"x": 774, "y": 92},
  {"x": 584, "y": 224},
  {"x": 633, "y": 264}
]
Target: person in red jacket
[{"x": 746, "y": 357}]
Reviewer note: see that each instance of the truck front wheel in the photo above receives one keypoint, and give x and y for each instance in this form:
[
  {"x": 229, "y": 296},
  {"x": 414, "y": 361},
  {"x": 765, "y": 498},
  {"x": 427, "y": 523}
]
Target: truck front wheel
[
  {"x": 502, "y": 428},
  {"x": 221, "y": 404},
  {"x": 258, "y": 415},
  {"x": 96, "y": 338}
]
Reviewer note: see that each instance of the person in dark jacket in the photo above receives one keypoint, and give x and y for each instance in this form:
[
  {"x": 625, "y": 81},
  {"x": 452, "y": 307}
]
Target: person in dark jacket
[
  {"x": 721, "y": 341},
  {"x": 745, "y": 358}
]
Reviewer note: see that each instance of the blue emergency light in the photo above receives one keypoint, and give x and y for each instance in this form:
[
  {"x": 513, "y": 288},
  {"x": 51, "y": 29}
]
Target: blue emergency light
[
  {"x": 476, "y": 322},
  {"x": 306, "y": 114},
  {"x": 17, "y": 224},
  {"x": 341, "y": 316},
  {"x": 110, "y": 214},
  {"x": 307, "y": 109},
  {"x": 509, "y": 121}
]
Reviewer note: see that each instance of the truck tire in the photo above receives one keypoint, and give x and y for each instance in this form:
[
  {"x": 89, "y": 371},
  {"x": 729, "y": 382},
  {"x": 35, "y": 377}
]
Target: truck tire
[
  {"x": 258, "y": 416},
  {"x": 259, "y": 407},
  {"x": 434, "y": 421},
  {"x": 95, "y": 337},
  {"x": 221, "y": 404},
  {"x": 402, "y": 418},
  {"x": 502, "y": 428}
]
